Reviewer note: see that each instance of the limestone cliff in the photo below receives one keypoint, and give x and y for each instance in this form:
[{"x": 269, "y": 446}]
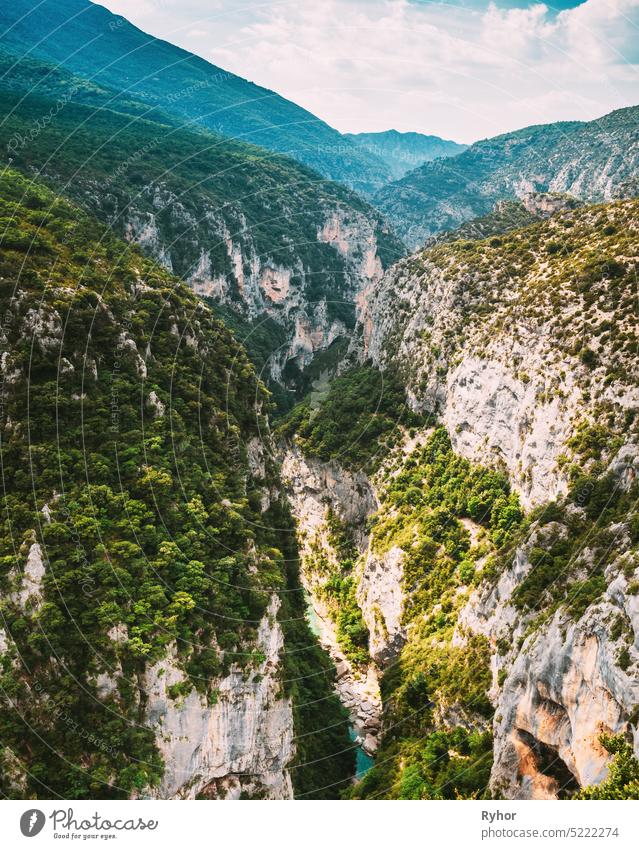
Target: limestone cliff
[
  {"x": 562, "y": 679},
  {"x": 523, "y": 346},
  {"x": 318, "y": 490},
  {"x": 313, "y": 487},
  {"x": 517, "y": 342},
  {"x": 238, "y": 742}
]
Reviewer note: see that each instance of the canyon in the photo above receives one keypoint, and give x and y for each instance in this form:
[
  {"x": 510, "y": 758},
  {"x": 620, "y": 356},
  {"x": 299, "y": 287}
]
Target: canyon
[{"x": 319, "y": 484}]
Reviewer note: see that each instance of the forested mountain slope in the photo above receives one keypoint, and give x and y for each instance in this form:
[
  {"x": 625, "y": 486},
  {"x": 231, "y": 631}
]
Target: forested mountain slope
[
  {"x": 86, "y": 39},
  {"x": 256, "y": 232},
  {"x": 148, "y": 585},
  {"x": 597, "y": 160},
  {"x": 474, "y": 551},
  {"x": 432, "y": 559}
]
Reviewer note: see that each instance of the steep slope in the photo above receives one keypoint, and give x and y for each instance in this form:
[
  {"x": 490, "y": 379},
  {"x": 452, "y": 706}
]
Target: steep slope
[
  {"x": 525, "y": 347},
  {"x": 519, "y": 341},
  {"x": 483, "y": 549},
  {"x": 253, "y": 231},
  {"x": 404, "y": 151},
  {"x": 152, "y": 639},
  {"x": 88, "y": 40},
  {"x": 508, "y": 215},
  {"x": 593, "y": 161}
]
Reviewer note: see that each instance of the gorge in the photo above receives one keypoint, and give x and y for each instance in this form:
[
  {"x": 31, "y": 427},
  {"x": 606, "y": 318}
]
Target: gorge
[{"x": 318, "y": 483}]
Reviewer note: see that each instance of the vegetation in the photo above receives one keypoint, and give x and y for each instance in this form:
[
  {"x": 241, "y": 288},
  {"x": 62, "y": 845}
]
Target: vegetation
[
  {"x": 569, "y": 155},
  {"x": 127, "y": 410},
  {"x": 449, "y": 517},
  {"x": 357, "y": 422},
  {"x": 270, "y": 205},
  {"x": 623, "y": 773},
  {"x": 446, "y": 764}
]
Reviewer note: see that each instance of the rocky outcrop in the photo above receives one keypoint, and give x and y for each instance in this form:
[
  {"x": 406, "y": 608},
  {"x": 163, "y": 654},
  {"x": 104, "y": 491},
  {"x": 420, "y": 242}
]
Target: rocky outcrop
[
  {"x": 500, "y": 343},
  {"x": 357, "y": 687},
  {"x": 29, "y": 592},
  {"x": 559, "y": 684},
  {"x": 240, "y": 742},
  {"x": 545, "y": 204},
  {"x": 313, "y": 486}
]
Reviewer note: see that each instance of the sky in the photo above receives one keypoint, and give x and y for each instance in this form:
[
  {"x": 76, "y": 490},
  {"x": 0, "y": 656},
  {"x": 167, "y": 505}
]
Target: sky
[{"x": 464, "y": 70}]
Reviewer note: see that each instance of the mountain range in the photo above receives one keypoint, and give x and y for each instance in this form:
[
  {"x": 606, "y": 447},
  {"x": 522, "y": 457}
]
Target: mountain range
[
  {"x": 595, "y": 160},
  {"x": 291, "y": 512},
  {"x": 402, "y": 152}
]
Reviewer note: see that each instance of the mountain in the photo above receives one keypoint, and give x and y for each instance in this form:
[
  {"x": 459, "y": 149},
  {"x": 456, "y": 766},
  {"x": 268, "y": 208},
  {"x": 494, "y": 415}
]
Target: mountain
[
  {"x": 471, "y": 546},
  {"x": 508, "y": 215},
  {"x": 404, "y": 151},
  {"x": 149, "y": 578},
  {"x": 418, "y": 582},
  {"x": 86, "y": 39},
  {"x": 598, "y": 160},
  {"x": 266, "y": 239}
]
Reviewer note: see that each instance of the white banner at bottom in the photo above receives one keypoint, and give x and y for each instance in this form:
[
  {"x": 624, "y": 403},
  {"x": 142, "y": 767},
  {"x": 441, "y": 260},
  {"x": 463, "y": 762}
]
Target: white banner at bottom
[{"x": 320, "y": 825}]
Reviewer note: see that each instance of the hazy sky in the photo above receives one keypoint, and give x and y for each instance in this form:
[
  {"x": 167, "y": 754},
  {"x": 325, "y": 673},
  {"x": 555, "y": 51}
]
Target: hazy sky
[{"x": 462, "y": 70}]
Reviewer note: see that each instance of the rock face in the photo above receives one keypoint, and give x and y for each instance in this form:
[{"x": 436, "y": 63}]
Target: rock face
[
  {"x": 381, "y": 598},
  {"x": 557, "y": 689},
  {"x": 504, "y": 349},
  {"x": 590, "y": 161},
  {"x": 563, "y": 691},
  {"x": 30, "y": 589},
  {"x": 313, "y": 486},
  {"x": 259, "y": 234},
  {"x": 214, "y": 712},
  {"x": 241, "y": 744}
]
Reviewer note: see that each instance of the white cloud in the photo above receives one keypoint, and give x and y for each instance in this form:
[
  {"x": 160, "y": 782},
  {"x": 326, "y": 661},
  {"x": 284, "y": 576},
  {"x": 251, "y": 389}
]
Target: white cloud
[{"x": 460, "y": 72}]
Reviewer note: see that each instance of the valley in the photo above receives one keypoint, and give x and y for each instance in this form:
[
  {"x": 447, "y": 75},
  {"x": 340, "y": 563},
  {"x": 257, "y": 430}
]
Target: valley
[{"x": 320, "y": 472}]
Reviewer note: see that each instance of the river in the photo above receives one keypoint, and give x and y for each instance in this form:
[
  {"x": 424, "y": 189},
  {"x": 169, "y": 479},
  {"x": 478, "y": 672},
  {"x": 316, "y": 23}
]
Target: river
[{"x": 363, "y": 762}]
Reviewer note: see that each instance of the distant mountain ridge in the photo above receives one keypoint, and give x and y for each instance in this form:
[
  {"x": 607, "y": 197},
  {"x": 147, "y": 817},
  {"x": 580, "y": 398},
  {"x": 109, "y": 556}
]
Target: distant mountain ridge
[
  {"x": 404, "y": 151},
  {"x": 593, "y": 161},
  {"x": 260, "y": 235},
  {"x": 88, "y": 40}
]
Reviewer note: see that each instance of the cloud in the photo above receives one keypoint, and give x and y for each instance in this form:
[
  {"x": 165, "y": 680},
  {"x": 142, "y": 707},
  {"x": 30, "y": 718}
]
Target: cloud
[{"x": 463, "y": 72}]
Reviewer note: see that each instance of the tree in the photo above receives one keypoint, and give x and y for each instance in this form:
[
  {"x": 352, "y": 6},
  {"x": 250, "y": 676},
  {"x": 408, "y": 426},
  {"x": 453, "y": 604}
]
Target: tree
[{"x": 623, "y": 773}]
